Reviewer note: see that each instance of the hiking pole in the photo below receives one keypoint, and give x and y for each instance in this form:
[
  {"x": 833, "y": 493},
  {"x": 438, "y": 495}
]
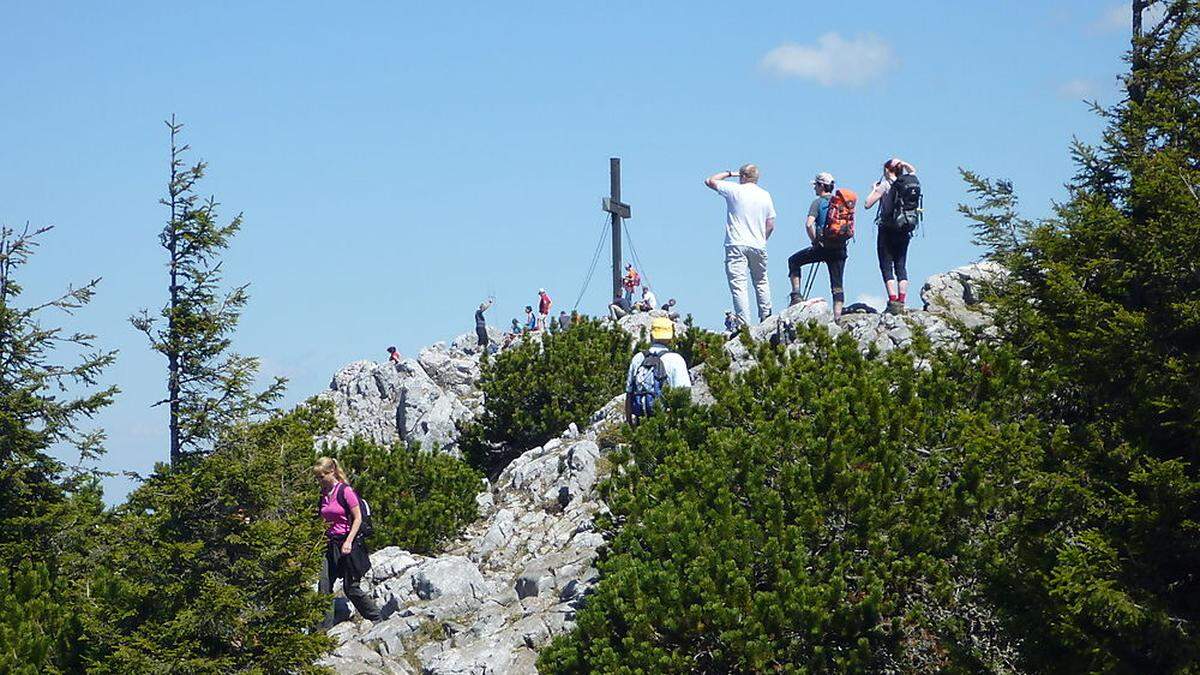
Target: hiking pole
[{"x": 808, "y": 283}]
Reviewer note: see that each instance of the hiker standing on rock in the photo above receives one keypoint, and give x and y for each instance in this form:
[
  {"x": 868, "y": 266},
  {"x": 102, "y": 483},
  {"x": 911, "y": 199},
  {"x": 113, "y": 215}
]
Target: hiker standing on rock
[
  {"x": 828, "y": 233},
  {"x": 653, "y": 370},
  {"x": 481, "y": 324},
  {"x": 564, "y": 320},
  {"x": 544, "y": 305},
  {"x": 898, "y": 193},
  {"x": 749, "y": 221},
  {"x": 630, "y": 281},
  {"x": 346, "y": 556}
]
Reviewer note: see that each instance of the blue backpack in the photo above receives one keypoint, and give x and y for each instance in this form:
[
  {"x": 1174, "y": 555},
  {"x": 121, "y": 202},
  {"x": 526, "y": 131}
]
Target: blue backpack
[{"x": 648, "y": 382}]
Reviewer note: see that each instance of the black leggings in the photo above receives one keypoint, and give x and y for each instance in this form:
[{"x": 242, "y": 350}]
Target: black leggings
[
  {"x": 834, "y": 259},
  {"x": 892, "y": 248}
]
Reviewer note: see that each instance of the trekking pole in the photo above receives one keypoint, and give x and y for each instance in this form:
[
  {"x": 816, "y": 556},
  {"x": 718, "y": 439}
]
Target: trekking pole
[{"x": 808, "y": 283}]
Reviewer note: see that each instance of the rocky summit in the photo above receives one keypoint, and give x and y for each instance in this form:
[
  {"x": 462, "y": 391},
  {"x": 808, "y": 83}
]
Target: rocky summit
[{"x": 517, "y": 576}]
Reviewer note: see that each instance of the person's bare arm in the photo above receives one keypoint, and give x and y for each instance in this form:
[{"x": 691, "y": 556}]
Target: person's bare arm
[
  {"x": 875, "y": 196},
  {"x": 770, "y": 226},
  {"x": 907, "y": 168},
  {"x": 811, "y": 226},
  {"x": 712, "y": 180}
]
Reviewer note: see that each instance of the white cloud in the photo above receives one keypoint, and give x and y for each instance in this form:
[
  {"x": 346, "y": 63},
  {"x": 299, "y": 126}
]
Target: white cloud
[
  {"x": 1077, "y": 89},
  {"x": 833, "y": 60}
]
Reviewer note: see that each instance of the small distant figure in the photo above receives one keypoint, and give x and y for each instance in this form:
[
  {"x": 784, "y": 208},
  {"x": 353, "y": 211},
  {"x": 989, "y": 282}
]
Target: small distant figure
[
  {"x": 649, "y": 300},
  {"x": 653, "y": 370},
  {"x": 829, "y": 226},
  {"x": 898, "y": 193},
  {"x": 669, "y": 308},
  {"x": 564, "y": 320},
  {"x": 516, "y": 327},
  {"x": 620, "y": 307},
  {"x": 732, "y": 324},
  {"x": 531, "y": 320},
  {"x": 544, "y": 305},
  {"x": 393, "y": 356},
  {"x": 481, "y": 333},
  {"x": 749, "y": 222},
  {"x": 630, "y": 281}
]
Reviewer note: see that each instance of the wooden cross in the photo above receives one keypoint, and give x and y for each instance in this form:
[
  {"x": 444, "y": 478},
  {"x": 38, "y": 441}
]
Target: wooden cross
[{"x": 618, "y": 209}]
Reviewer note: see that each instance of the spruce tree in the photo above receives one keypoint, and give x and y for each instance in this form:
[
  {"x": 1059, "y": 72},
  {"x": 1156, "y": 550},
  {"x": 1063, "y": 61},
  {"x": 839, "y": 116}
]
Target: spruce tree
[
  {"x": 47, "y": 507},
  {"x": 43, "y": 403},
  {"x": 1098, "y": 558},
  {"x": 209, "y": 387}
]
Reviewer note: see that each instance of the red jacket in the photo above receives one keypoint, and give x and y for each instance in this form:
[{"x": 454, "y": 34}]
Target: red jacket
[{"x": 544, "y": 304}]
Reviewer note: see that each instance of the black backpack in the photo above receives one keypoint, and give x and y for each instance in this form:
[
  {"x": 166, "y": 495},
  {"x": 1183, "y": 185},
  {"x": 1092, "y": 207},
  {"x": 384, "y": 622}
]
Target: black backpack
[
  {"x": 366, "y": 528},
  {"x": 906, "y": 204}
]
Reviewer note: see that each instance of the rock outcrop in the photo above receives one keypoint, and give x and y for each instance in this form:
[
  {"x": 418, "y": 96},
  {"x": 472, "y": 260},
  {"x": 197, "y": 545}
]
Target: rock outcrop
[{"x": 517, "y": 576}]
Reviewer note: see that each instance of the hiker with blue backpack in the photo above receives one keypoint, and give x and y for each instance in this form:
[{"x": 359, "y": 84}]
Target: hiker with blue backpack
[
  {"x": 830, "y": 226},
  {"x": 653, "y": 370},
  {"x": 898, "y": 193},
  {"x": 348, "y": 522}
]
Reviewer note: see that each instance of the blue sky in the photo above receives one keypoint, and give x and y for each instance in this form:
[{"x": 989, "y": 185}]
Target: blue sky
[{"x": 397, "y": 162}]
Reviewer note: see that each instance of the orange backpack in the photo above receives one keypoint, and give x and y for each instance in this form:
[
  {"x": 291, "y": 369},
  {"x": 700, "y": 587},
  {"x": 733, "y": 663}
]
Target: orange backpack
[{"x": 839, "y": 219}]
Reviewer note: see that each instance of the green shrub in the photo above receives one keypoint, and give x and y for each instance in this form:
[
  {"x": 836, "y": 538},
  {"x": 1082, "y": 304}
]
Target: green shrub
[
  {"x": 535, "y": 390},
  {"x": 39, "y": 633},
  {"x": 419, "y": 499},
  {"x": 209, "y": 567},
  {"x": 821, "y": 516}
]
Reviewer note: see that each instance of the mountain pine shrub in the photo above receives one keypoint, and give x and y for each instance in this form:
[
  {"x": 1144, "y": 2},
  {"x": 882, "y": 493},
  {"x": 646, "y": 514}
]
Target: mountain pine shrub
[
  {"x": 418, "y": 499},
  {"x": 535, "y": 390},
  {"x": 827, "y": 513}
]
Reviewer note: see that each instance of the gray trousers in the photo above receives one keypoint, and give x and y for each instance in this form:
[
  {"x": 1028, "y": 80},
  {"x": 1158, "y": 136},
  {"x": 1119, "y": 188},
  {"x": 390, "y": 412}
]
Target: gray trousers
[
  {"x": 332, "y": 569},
  {"x": 740, "y": 261}
]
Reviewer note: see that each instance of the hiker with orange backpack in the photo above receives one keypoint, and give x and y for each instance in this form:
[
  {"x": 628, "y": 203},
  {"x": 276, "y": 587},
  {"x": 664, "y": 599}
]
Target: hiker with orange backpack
[{"x": 830, "y": 227}]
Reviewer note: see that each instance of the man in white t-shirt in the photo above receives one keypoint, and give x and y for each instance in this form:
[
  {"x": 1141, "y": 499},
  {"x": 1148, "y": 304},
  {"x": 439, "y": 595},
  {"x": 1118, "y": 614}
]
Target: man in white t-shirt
[{"x": 749, "y": 221}]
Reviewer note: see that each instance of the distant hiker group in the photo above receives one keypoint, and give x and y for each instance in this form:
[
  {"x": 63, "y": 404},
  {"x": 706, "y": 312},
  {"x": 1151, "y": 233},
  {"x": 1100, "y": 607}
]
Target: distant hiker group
[{"x": 750, "y": 221}]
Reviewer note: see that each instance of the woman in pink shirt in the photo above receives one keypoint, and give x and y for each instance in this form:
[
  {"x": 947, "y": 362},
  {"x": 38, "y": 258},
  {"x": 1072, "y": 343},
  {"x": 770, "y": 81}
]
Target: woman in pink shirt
[{"x": 346, "y": 557}]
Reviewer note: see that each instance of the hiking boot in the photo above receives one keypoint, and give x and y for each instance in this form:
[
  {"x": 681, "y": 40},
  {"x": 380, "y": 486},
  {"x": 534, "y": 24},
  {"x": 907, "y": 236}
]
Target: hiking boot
[
  {"x": 795, "y": 298},
  {"x": 894, "y": 307}
]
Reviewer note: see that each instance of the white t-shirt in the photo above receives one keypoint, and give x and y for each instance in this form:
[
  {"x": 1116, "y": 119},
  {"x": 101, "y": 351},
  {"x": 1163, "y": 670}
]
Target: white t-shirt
[
  {"x": 673, "y": 364},
  {"x": 749, "y": 206},
  {"x": 649, "y": 298}
]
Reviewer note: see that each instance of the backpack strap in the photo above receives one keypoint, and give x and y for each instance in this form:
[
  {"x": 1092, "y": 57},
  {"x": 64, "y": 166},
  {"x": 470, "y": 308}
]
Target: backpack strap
[{"x": 341, "y": 497}]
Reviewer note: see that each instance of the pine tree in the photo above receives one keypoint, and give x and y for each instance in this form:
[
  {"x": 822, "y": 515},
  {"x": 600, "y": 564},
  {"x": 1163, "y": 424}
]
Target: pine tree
[{"x": 209, "y": 387}]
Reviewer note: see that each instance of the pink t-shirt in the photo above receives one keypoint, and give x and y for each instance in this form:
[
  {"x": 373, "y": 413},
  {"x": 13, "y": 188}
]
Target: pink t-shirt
[{"x": 331, "y": 509}]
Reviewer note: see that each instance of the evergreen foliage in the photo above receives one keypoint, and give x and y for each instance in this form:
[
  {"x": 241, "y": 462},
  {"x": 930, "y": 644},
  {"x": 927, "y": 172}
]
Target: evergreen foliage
[
  {"x": 821, "y": 516},
  {"x": 39, "y": 633},
  {"x": 418, "y": 499},
  {"x": 209, "y": 567},
  {"x": 535, "y": 390},
  {"x": 209, "y": 387},
  {"x": 38, "y": 410},
  {"x": 1097, "y": 565}
]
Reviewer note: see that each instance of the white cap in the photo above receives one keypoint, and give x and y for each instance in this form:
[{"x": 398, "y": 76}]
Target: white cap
[
  {"x": 824, "y": 178},
  {"x": 541, "y": 290}
]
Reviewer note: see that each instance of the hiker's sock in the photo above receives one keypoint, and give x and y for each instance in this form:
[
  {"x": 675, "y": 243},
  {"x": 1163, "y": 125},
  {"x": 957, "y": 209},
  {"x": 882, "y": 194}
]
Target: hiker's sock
[
  {"x": 893, "y": 298},
  {"x": 901, "y": 297}
]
